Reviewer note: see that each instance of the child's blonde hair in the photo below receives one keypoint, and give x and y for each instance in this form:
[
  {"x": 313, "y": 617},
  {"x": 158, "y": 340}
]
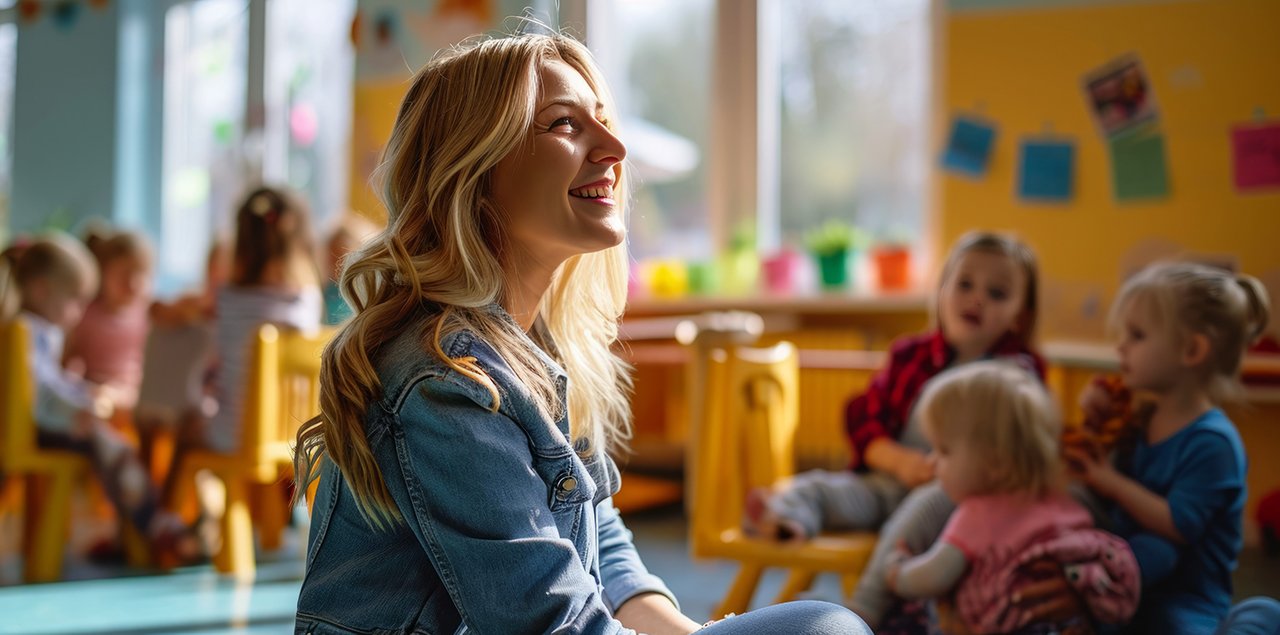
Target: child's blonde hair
[
  {"x": 1016, "y": 251},
  {"x": 1230, "y": 310},
  {"x": 121, "y": 245},
  {"x": 59, "y": 258},
  {"x": 1003, "y": 411}
]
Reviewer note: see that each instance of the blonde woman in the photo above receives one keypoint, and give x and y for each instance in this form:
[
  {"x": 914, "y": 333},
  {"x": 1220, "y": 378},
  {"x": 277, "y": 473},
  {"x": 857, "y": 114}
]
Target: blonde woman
[{"x": 469, "y": 405}]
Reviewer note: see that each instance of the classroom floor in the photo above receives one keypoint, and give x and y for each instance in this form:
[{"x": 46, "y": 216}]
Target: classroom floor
[{"x": 198, "y": 601}]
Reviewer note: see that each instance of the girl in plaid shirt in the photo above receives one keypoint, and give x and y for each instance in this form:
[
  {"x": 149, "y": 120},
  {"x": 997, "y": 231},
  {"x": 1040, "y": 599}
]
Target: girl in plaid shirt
[{"x": 986, "y": 308}]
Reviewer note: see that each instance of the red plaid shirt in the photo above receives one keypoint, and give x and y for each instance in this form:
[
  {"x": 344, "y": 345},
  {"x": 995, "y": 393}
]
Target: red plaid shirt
[{"x": 913, "y": 360}]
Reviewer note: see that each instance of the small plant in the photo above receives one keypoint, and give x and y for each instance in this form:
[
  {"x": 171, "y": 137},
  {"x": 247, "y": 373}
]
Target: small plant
[{"x": 834, "y": 237}]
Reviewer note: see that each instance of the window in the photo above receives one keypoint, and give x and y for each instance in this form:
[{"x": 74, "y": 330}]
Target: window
[
  {"x": 854, "y": 90},
  {"x": 839, "y": 127},
  {"x": 8, "y": 64},
  {"x": 310, "y": 68},
  {"x": 205, "y": 50},
  {"x": 657, "y": 57}
]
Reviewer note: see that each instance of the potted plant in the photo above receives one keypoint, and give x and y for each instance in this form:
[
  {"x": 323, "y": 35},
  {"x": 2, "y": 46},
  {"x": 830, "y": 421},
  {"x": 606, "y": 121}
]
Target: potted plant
[{"x": 834, "y": 245}]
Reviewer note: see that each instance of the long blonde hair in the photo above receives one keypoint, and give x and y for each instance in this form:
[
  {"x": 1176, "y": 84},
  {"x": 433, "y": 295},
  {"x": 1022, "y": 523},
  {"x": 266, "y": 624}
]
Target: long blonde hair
[
  {"x": 1230, "y": 310},
  {"x": 439, "y": 263},
  {"x": 1005, "y": 413}
]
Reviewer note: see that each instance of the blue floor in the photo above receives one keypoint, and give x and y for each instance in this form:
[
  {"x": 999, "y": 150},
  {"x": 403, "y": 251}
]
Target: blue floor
[{"x": 199, "y": 601}]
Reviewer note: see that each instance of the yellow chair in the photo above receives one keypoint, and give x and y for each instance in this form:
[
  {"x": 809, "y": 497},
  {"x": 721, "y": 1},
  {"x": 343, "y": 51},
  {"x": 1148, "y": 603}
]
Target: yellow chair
[
  {"x": 747, "y": 440},
  {"x": 44, "y": 477},
  {"x": 282, "y": 391}
]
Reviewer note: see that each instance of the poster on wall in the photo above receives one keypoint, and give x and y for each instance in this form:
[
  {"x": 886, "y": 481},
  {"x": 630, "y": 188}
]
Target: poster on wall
[
  {"x": 1119, "y": 95},
  {"x": 969, "y": 146},
  {"x": 1046, "y": 169},
  {"x": 1138, "y": 168},
  {"x": 1255, "y": 150}
]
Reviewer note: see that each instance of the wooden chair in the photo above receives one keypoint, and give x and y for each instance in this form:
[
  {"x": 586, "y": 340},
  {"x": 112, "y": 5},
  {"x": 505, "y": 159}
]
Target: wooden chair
[
  {"x": 46, "y": 477},
  {"x": 282, "y": 391},
  {"x": 747, "y": 440}
]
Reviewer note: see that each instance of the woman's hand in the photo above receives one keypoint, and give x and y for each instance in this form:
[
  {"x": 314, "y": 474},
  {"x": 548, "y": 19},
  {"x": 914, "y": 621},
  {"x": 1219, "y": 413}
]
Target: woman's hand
[
  {"x": 654, "y": 614},
  {"x": 1049, "y": 600}
]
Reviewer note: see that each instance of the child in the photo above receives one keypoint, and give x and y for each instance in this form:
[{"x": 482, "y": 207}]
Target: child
[
  {"x": 53, "y": 279},
  {"x": 350, "y": 234},
  {"x": 108, "y": 343},
  {"x": 995, "y": 433},
  {"x": 1178, "y": 495},
  {"x": 273, "y": 279},
  {"x": 986, "y": 308}
]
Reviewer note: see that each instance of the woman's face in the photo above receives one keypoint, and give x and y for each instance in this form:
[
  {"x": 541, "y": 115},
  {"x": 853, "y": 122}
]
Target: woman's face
[{"x": 556, "y": 188}]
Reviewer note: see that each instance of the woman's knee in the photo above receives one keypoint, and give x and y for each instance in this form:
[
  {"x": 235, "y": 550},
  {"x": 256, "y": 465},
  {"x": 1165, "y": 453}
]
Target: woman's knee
[{"x": 802, "y": 618}]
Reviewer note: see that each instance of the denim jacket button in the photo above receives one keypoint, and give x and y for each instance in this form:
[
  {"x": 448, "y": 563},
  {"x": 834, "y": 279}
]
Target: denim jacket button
[{"x": 564, "y": 486}]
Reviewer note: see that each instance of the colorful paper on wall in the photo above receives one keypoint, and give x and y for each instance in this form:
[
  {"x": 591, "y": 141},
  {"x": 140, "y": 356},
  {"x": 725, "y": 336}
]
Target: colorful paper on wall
[
  {"x": 1119, "y": 95},
  {"x": 1256, "y": 153},
  {"x": 1046, "y": 170},
  {"x": 969, "y": 147},
  {"x": 1138, "y": 169}
]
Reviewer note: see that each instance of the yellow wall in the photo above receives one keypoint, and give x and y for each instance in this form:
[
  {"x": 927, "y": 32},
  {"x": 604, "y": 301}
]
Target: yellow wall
[
  {"x": 1211, "y": 63},
  {"x": 374, "y": 115}
]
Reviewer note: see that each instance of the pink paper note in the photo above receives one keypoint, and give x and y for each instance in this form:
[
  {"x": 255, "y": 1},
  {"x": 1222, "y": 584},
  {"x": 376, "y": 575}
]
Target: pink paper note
[{"x": 1257, "y": 156}]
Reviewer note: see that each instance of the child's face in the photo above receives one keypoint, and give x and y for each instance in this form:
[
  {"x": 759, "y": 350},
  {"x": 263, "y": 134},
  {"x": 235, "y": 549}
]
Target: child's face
[
  {"x": 960, "y": 470},
  {"x": 125, "y": 280},
  {"x": 62, "y": 304},
  {"x": 1149, "y": 358},
  {"x": 981, "y": 301}
]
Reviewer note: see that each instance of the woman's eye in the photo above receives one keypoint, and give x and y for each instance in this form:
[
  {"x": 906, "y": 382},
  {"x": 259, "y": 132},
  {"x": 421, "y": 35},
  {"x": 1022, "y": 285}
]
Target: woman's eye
[{"x": 563, "y": 121}]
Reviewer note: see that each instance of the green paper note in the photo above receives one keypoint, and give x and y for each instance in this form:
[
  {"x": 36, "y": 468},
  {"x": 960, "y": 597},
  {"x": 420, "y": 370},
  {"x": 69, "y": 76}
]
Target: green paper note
[{"x": 1138, "y": 165}]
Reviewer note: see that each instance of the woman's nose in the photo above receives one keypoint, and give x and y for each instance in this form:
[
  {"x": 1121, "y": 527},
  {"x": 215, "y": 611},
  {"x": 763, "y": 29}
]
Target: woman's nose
[{"x": 609, "y": 149}]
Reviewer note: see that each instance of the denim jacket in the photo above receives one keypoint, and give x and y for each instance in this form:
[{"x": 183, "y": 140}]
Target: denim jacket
[{"x": 506, "y": 530}]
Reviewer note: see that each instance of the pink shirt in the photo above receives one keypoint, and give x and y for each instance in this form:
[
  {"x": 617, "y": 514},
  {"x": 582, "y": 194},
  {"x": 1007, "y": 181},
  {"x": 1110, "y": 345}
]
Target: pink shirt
[
  {"x": 992, "y": 532},
  {"x": 112, "y": 346}
]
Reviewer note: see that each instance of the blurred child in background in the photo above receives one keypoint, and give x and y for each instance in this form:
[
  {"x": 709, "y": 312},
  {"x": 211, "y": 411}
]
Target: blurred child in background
[{"x": 350, "y": 234}]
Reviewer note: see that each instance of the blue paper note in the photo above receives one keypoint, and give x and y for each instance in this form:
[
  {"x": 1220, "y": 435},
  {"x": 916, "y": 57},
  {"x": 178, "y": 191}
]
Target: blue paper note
[
  {"x": 969, "y": 147},
  {"x": 1046, "y": 170}
]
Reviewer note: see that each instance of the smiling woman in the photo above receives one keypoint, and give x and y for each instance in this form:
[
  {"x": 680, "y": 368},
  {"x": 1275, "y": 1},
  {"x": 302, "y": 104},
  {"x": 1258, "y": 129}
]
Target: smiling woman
[{"x": 469, "y": 406}]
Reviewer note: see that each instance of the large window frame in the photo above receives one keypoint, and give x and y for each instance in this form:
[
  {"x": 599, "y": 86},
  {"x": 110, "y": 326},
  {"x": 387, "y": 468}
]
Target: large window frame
[{"x": 744, "y": 154}]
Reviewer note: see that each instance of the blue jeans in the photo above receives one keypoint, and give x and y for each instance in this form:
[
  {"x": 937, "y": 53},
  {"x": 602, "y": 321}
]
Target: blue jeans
[
  {"x": 792, "y": 618},
  {"x": 1254, "y": 616}
]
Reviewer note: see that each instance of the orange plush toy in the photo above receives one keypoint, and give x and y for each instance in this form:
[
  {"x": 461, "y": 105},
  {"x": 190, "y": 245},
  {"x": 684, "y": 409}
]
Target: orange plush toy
[{"x": 1100, "y": 437}]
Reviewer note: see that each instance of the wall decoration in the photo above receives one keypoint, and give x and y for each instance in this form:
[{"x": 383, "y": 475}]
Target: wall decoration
[
  {"x": 1119, "y": 95},
  {"x": 1255, "y": 151},
  {"x": 1046, "y": 169},
  {"x": 969, "y": 147},
  {"x": 1138, "y": 168},
  {"x": 65, "y": 14}
]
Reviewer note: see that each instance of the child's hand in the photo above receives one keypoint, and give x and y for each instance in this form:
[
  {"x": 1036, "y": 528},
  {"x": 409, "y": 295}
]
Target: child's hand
[
  {"x": 1097, "y": 403},
  {"x": 901, "y": 553},
  {"x": 1090, "y": 468},
  {"x": 913, "y": 469}
]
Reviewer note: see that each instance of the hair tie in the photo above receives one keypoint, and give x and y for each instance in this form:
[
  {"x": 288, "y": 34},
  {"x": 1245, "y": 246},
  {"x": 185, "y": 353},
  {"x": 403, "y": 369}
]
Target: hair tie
[{"x": 262, "y": 206}]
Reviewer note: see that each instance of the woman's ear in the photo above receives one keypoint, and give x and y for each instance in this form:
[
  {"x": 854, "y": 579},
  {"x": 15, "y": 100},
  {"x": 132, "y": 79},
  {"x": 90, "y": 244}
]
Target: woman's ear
[{"x": 1195, "y": 350}]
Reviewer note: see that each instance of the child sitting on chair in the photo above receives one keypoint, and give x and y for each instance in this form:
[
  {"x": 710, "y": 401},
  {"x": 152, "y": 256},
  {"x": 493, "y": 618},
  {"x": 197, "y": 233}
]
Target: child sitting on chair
[
  {"x": 108, "y": 343},
  {"x": 53, "y": 280},
  {"x": 995, "y": 435},
  {"x": 986, "y": 309}
]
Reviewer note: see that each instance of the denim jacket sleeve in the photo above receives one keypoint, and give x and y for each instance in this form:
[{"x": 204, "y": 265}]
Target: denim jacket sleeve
[
  {"x": 479, "y": 507},
  {"x": 623, "y": 574}
]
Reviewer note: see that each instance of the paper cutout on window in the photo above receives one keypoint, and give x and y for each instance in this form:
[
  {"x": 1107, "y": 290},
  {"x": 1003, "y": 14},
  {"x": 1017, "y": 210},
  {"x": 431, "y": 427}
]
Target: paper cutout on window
[
  {"x": 1256, "y": 153},
  {"x": 1046, "y": 170},
  {"x": 969, "y": 147}
]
